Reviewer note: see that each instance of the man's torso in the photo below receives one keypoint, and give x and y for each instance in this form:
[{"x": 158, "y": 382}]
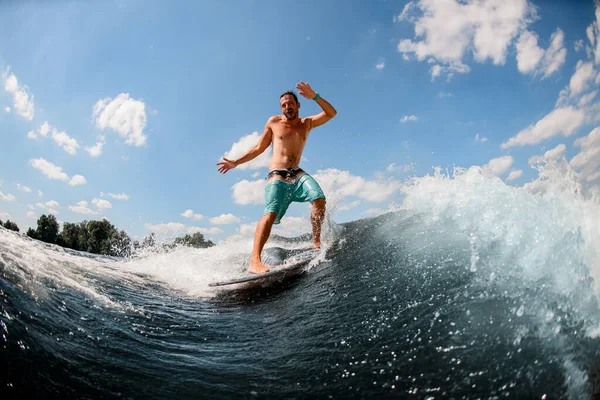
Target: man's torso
[{"x": 288, "y": 142}]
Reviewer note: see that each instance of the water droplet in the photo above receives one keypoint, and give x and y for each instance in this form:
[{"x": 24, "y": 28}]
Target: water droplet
[{"x": 520, "y": 311}]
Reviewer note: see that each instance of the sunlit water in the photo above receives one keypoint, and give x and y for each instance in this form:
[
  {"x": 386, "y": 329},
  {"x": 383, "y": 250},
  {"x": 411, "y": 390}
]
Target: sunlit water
[{"x": 472, "y": 289}]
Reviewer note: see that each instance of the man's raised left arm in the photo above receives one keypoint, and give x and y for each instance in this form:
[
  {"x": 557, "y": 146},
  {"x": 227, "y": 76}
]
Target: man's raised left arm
[{"x": 328, "y": 110}]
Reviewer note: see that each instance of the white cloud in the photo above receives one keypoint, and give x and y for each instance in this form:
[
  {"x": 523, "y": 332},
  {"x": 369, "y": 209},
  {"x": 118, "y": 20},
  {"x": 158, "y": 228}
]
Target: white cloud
[
  {"x": 206, "y": 231},
  {"x": 240, "y": 148},
  {"x": 50, "y": 206},
  {"x": 44, "y": 129},
  {"x": 82, "y": 208},
  {"x": 560, "y": 121},
  {"x": 441, "y": 95},
  {"x": 119, "y": 196},
  {"x": 590, "y": 33},
  {"x": 7, "y": 109},
  {"x": 292, "y": 226},
  {"x": 375, "y": 211},
  {"x": 407, "y": 118},
  {"x": 405, "y": 14},
  {"x": 528, "y": 52},
  {"x": 40, "y": 193},
  {"x": 50, "y": 170},
  {"x": 77, "y": 180},
  {"x": 348, "y": 206},
  {"x": 124, "y": 115},
  {"x": 480, "y": 139},
  {"x": 586, "y": 99},
  {"x": 247, "y": 230},
  {"x": 6, "y": 197},
  {"x": 514, "y": 174},
  {"x": 380, "y": 65},
  {"x": 101, "y": 203},
  {"x": 224, "y": 219},
  {"x": 62, "y": 139},
  {"x": 533, "y": 59},
  {"x": 249, "y": 192},
  {"x": 337, "y": 184},
  {"x": 588, "y": 159},
  {"x": 583, "y": 75},
  {"x": 31, "y": 214},
  {"x": 448, "y": 30},
  {"x": 398, "y": 168},
  {"x": 23, "y": 188},
  {"x": 67, "y": 143},
  {"x": 555, "y": 55},
  {"x": 53, "y": 211},
  {"x": 4, "y": 215},
  {"x": 96, "y": 150},
  {"x": 190, "y": 214},
  {"x": 448, "y": 70},
  {"x": 22, "y": 104},
  {"x": 593, "y": 177},
  {"x": 176, "y": 227},
  {"x": 594, "y": 32},
  {"x": 578, "y": 45},
  {"x": 553, "y": 154},
  {"x": 497, "y": 166}
]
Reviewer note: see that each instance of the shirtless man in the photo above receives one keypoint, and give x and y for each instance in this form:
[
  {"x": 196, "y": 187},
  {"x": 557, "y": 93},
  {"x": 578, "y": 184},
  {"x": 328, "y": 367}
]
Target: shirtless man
[{"x": 286, "y": 181}]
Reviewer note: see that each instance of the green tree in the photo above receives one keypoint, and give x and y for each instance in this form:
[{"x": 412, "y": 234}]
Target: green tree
[
  {"x": 11, "y": 225},
  {"x": 120, "y": 244},
  {"x": 196, "y": 240},
  {"x": 47, "y": 228},
  {"x": 149, "y": 241},
  {"x": 100, "y": 232},
  {"x": 32, "y": 233},
  {"x": 69, "y": 236},
  {"x": 83, "y": 236}
]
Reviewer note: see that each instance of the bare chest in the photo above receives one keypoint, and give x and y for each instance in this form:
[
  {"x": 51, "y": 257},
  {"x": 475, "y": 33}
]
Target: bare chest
[{"x": 284, "y": 132}]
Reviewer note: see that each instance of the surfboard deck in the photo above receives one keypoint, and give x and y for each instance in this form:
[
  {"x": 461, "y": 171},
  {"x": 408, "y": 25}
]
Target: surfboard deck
[{"x": 290, "y": 266}]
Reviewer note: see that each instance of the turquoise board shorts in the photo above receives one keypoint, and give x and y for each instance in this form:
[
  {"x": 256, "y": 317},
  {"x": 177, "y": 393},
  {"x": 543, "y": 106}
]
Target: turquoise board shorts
[{"x": 280, "y": 194}]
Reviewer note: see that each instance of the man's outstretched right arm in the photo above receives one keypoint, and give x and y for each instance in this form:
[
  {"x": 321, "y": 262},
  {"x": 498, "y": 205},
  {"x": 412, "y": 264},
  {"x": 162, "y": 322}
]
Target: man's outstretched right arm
[{"x": 263, "y": 143}]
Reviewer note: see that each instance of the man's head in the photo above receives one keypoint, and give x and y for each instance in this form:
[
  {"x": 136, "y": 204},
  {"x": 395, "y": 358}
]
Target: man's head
[{"x": 289, "y": 105}]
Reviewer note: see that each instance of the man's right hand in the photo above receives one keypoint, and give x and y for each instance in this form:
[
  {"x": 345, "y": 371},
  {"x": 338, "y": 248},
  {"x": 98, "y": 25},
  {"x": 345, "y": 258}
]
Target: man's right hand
[{"x": 226, "y": 165}]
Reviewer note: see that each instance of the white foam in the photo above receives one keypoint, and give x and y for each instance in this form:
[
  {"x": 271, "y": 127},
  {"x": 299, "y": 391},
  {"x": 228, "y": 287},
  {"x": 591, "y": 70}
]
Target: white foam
[{"x": 550, "y": 237}]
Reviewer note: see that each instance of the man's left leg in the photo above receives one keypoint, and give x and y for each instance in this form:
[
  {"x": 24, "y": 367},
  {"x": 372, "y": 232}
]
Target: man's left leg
[{"x": 316, "y": 218}]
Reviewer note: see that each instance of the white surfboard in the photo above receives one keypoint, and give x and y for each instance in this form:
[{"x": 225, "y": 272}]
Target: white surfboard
[{"x": 291, "y": 266}]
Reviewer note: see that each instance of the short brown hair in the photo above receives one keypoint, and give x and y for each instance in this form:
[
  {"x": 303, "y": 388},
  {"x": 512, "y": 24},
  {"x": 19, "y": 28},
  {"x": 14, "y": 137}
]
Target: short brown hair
[{"x": 291, "y": 93}]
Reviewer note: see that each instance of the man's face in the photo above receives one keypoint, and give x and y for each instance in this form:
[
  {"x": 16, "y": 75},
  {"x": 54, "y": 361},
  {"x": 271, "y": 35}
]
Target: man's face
[{"x": 289, "y": 107}]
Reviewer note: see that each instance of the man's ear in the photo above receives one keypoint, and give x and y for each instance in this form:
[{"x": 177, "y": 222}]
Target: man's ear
[{"x": 298, "y": 104}]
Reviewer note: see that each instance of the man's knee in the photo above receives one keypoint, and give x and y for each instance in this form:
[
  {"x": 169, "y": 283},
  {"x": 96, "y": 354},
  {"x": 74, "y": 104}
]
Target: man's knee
[
  {"x": 319, "y": 203},
  {"x": 269, "y": 217}
]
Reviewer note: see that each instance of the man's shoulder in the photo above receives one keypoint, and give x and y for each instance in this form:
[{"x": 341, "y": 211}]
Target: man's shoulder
[{"x": 274, "y": 119}]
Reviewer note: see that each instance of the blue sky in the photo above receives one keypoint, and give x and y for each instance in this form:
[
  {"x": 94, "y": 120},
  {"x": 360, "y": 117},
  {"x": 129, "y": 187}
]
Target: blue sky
[{"x": 120, "y": 109}]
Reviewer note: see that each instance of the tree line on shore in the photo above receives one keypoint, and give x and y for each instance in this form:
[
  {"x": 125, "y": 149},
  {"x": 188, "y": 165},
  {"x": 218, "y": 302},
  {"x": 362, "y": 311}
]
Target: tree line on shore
[{"x": 100, "y": 237}]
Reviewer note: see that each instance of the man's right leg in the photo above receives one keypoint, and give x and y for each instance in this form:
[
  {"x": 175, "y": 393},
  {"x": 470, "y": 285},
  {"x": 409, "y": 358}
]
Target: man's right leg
[{"x": 263, "y": 231}]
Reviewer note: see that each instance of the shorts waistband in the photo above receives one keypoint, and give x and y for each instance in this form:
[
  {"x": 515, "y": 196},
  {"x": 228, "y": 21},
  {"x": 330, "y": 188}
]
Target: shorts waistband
[{"x": 288, "y": 173}]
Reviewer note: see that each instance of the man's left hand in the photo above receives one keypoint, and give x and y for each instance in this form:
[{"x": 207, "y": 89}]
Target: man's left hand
[{"x": 305, "y": 90}]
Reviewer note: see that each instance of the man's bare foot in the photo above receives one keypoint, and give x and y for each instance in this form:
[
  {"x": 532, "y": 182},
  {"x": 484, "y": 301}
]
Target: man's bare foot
[
  {"x": 317, "y": 245},
  {"x": 257, "y": 267}
]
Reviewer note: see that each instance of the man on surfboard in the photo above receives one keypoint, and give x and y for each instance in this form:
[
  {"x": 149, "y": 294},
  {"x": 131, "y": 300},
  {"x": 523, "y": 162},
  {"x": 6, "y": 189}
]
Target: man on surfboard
[{"x": 286, "y": 181}]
